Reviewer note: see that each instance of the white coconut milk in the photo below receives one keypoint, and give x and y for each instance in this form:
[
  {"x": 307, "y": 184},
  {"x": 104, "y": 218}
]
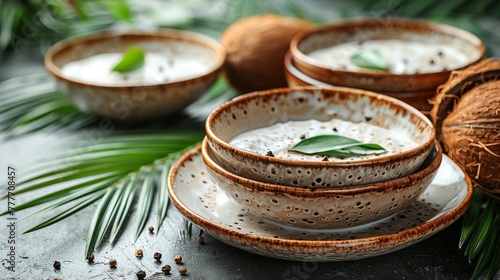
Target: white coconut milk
[
  {"x": 281, "y": 137},
  {"x": 403, "y": 57},
  {"x": 157, "y": 68}
]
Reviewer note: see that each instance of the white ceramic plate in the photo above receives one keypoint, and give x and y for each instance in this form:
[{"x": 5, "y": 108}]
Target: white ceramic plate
[{"x": 201, "y": 201}]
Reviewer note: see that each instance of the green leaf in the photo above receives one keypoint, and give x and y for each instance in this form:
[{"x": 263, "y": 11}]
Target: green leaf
[
  {"x": 486, "y": 253},
  {"x": 119, "y": 9},
  {"x": 470, "y": 217},
  {"x": 370, "y": 58},
  {"x": 81, "y": 9},
  {"x": 132, "y": 58},
  {"x": 111, "y": 210},
  {"x": 163, "y": 199},
  {"x": 52, "y": 182},
  {"x": 124, "y": 205},
  {"x": 145, "y": 200},
  {"x": 96, "y": 222},
  {"x": 12, "y": 13},
  {"x": 495, "y": 260},
  {"x": 67, "y": 213},
  {"x": 479, "y": 235},
  {"x": 336, "y": 145},
  {"x": 66, "y": 192},
  {"x": 91, "y": 189}
]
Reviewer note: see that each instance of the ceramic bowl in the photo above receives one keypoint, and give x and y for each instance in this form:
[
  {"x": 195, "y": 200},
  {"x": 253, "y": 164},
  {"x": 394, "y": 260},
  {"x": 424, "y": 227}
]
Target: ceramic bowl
[
  {"x": 266, "y": 108},
  {"x": 136, "y": 101},
  {"x": 381, "y": 28},
  {"x": 334, "y": 207},
  {"x": 294, "y": 78},
  {"x": 201, "y": 201}
]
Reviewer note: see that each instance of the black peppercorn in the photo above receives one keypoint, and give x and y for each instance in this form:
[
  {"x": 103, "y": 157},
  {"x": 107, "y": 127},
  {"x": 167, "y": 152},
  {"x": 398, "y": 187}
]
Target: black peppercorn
[
  {"x": 151, "y": 229},
  {"x": 141, "y": 274},
  {"x": 57, "y": 265},
  {"x": 270, "y": 154},
  {"x": 325, "y": 158},
  {"x": 112, "y": 263},
  {"x": 90, "y": 257},
  {"x": 157, "y": 256},
  {"x": 166, "y": 269}
]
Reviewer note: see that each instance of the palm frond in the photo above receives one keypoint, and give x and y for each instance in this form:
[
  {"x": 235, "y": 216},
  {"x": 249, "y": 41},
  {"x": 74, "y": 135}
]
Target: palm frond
[
  {"x": 145, "y": 200},
  {"x": 124, "y": 204},
  {"x": 470, "y": 218},
  {"x": 116, "y": 172},
  {"x": 163, "y": 199},
  {"x": 480, "y": 236},
  {"x": 31, "y": 103}
]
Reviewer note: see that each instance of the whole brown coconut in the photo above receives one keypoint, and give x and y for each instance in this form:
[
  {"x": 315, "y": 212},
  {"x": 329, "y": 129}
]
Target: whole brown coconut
[
  {"x": 466, "y": 114},
  {"x": 256, "y": 47}
]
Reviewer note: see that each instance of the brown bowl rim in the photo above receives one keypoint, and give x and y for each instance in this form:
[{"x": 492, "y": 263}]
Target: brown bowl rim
[
  {"x": 183, "y": 35},
  {"x": 424, "y": 147},
  {"x": 393, "y": 184},
  {"x": 304, "y": 59}
]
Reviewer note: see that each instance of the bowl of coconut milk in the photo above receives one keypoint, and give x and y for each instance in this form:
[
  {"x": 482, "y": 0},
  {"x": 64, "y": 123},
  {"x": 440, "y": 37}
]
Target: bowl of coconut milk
[
  {"x": 395, "y": 56},
  {"x": 176, "y": 67},
  {"x": 256, "y": 136}
]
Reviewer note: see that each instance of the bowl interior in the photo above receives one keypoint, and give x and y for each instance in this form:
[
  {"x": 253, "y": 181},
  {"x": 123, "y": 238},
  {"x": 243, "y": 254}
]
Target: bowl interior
[
  {"x": 171, "y": 43},
  {"x": 263, "y": 109}
]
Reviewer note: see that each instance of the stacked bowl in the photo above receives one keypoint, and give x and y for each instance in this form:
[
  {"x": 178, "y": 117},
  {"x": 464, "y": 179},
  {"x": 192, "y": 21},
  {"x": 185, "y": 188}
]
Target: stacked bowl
[
  {"x": 247, "y": 152},
  {"x": 405, "y": 59}
]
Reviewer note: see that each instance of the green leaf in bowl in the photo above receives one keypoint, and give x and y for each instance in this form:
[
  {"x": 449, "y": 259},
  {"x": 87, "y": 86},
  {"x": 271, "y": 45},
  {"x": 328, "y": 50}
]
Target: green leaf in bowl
[
  {"x": 336, "y": 145},
  {"x": 132, "y": 58},
  {"x": 370, "y": 58}
]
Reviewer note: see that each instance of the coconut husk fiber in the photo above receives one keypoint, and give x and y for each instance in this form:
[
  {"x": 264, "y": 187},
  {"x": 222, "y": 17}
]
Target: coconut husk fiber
[{"x": 466, "y": 113}]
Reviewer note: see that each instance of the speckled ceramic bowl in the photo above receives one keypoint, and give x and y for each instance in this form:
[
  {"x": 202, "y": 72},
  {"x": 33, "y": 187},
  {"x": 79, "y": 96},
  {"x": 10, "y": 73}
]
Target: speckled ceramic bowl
[
  {"x": 418, "y": 99},
  {"x": 261, "y": 109},
  {"x": 136, "y": 102},
  {"x": 201, "y": 200},
  {"x": 380, "y": 28},
  {"x": 334, "y": 207}
]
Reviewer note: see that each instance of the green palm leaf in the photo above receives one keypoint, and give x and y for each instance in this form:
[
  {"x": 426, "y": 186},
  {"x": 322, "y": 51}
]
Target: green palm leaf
[
  {"x": 145, "y": 199},
  {"x": 100, "y": 220},
  {"x": 486, "y": 253},
  {"x": 31, "y": 103},
  {"x": 163, "y": 199},
  {"x": 124, "y": 204},
  {"x": 495, "y": 260},
  {"x": 481, "y": 235},
  {"x": 110, "y": 173},
  {"x": 76, "y": 207},
  {"x": 470, "y": 218}
]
